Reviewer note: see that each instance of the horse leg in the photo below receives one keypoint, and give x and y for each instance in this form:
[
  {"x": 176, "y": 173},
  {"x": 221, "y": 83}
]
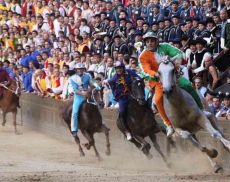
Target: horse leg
[
  {"x": 77, "y": 140},
  {"x": 215, "y": 133},
  {"x": 170, "y": 143},
  {"x": 157, "y": 147},
  {"x": 145, "y": 147},
  {"x": 91, "y": 140},
  {"x": 105, "y": 130},
  {"x": 4, "y": 118},
  {"x": 15, "y": 123},
  {"x": 210, "y": 153}
]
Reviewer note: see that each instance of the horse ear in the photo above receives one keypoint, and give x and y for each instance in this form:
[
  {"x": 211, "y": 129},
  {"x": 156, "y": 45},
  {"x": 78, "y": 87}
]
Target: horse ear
[{"x": 143, "y": 79}]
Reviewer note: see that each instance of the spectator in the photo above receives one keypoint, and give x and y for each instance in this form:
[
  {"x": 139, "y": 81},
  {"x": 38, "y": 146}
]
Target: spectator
[
  {"x": 27, "y": 79},
  {"x": 216, "y": 105},
  {"x": 51, "y": 37},
  {"x": 225, "y": 111},
  {"x": 199, "y": 87}
]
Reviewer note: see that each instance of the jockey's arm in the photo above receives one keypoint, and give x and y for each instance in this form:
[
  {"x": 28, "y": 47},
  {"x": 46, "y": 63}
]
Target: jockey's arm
[
  {"x": 76, "y": 87},
  {"x": 134, "y": 74},
  {"x": 145, "y": 65},
  {"x": 93, "y": 84},
  {"x": 172, "y": 52}
]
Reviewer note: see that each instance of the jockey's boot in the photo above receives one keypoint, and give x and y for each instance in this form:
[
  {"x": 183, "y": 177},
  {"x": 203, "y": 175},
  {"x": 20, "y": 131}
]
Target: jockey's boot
[
  {"x": 128, "y": 136},
  {"x": 170, "y": 131},
  {"x": 74, "y": 133},
  {"x": 124, "y": 125}
]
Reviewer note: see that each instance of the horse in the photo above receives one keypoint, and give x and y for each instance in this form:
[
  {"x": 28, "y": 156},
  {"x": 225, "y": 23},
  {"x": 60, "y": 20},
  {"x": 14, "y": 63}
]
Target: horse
[
  {"x": 90, "y": 122},
  {"x": 185, "y": 115},
  {"x": 10, "y": 101},
  {"x": 141, "y": 120}
]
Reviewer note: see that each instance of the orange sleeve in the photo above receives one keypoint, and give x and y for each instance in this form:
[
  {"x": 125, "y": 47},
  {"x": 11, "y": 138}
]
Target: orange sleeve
[{"x": 145, "y": 60}]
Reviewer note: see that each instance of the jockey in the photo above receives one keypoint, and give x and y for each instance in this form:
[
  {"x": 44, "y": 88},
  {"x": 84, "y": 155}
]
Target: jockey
[
  {"x": 149, "y": 61},
  {"x": 80, "y": 83},
  {"x": 4, "y": 78},
  {"x": 120, "y": 85}
]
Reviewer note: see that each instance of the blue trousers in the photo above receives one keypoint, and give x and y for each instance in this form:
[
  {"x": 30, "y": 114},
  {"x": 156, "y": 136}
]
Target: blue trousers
[
  {"x": 77, "y": 101},
  {"x": 123, "y": 103}
]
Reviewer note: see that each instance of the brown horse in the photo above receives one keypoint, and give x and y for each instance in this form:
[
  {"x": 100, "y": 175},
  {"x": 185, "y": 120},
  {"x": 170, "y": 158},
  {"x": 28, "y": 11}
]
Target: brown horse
[
  {"x": 10, "y": 101},
  {"x": 90, "y": 122}
]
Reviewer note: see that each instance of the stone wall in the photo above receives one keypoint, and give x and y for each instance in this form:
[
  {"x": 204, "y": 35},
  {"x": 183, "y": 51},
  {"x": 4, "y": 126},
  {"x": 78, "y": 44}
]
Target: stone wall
[{"x": 44, "y": 115}]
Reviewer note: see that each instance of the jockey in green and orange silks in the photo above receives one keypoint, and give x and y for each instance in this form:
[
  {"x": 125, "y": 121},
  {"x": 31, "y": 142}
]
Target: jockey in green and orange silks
[{"x": 149, "y": 61}]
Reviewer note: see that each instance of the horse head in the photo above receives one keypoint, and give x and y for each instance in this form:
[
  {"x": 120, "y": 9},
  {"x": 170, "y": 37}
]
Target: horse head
[
  {"x": 96, "y": 98},
  {"x": 14, "y": 87},
  {"x": 138, "y": 90},
  {"x": 167, "y": 73}
]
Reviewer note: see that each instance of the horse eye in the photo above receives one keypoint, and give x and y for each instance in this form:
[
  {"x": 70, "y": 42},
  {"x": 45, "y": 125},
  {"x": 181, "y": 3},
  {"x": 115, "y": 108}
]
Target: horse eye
[{"x": 139, "y": 84}]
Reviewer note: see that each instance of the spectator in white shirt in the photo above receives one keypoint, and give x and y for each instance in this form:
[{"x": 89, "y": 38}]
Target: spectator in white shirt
[{"x": 84, "y": 27}]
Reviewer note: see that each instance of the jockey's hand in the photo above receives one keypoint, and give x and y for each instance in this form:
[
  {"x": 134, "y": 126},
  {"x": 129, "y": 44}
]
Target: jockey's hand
[
  {"x": 84, "y": 94},
  {"x": 226, "y": 50},
  {"x": 156, "y": 75}
]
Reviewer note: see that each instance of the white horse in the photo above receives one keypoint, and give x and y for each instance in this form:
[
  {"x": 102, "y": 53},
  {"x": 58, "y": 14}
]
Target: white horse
[{"x": 184, "y": 113}]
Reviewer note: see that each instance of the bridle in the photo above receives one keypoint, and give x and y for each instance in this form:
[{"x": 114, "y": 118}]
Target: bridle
[
  {"x": 178, "y": 72},
  {"x": 92, "y": 97},
  {"x": 133, "y": 97}
]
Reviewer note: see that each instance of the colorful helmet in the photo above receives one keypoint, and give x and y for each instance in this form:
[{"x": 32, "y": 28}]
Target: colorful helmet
[
  {"x": 149, "y": 35},
  {"x": 79, "y": 66},
  {"x": 119, "y": 64}
]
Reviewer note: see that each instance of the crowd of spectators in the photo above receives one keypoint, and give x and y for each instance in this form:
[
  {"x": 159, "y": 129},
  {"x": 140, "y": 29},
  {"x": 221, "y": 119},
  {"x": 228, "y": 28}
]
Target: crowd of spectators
[{"x": 42, "y": 40}]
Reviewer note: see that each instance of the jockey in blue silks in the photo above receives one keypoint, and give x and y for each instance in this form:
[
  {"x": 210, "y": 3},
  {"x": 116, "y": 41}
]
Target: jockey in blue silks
[
  {"x": 81, "y": 83},
  {"x": 120, "y": 84}
]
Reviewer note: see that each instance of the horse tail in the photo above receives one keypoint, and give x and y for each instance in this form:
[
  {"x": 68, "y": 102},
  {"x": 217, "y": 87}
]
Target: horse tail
[{"x": 66, "y": 111}]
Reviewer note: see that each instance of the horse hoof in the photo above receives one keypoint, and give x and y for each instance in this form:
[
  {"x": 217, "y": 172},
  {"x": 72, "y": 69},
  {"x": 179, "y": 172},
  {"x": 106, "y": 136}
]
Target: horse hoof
[
  {"x": 107, "y": 152},
  {"x": 18, "y": 133},
  {"x": 149, "y": 156},
  {"x": 146, "y": 147},
  {"x": 169, "y": 165},
  {"x": 213, "y": 153},
  {"x": 218, "y": 169},
  {"x": 82, "y": 154},
  {"x": 87, "y": 146},
  {"x": 3, "y": 124},
  {"x": 99, "y": 158}
]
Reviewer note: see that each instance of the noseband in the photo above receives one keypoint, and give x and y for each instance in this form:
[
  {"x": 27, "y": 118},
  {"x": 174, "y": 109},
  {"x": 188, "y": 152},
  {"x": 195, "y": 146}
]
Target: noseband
[
  {"x": 178, "y": 72},
  {"x": 134, "y": 98}
]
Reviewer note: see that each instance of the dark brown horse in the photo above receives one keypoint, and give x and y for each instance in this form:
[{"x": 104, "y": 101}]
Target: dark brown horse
[
  {"x": 10, "y": 101},
  {"x": 90, "y": 122},
  {"x": 141, "y": 120}
]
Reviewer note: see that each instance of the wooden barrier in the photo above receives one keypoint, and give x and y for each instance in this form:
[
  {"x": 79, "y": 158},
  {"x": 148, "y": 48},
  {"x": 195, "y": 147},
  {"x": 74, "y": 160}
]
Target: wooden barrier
[{"x": 44, "y": 115}]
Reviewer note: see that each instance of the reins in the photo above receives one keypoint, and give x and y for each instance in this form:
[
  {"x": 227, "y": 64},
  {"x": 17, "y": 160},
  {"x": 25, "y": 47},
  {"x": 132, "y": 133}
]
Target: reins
[{"x": 7, "y": 88}]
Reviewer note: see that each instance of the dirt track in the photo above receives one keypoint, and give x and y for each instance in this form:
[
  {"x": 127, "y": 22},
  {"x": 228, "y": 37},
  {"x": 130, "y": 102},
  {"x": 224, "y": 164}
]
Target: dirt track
[{"x": 36, "y": 157}]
